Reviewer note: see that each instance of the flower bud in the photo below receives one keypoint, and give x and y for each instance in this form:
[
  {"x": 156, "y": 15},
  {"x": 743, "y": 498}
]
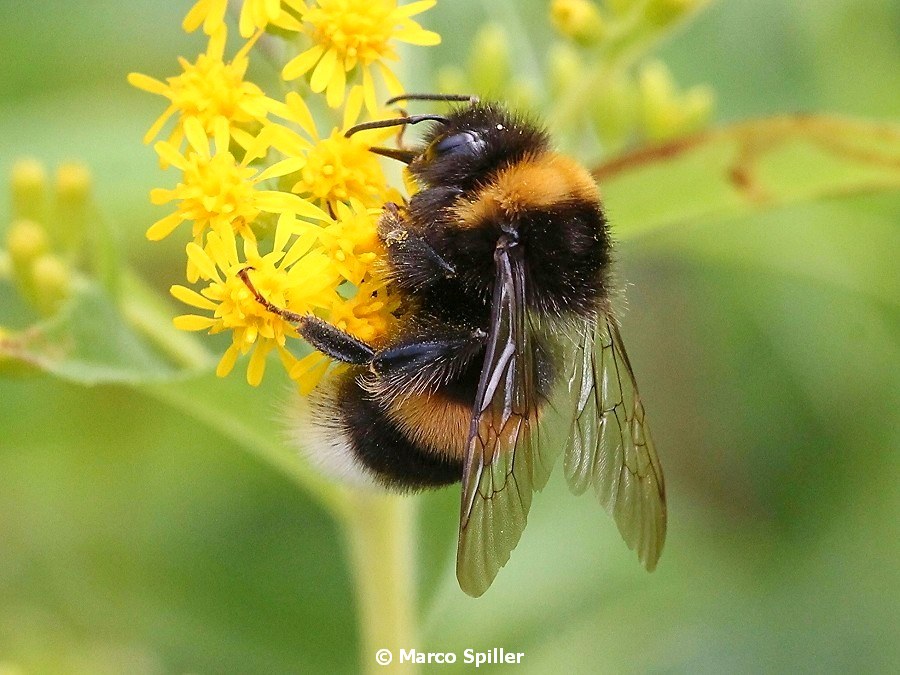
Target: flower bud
[
  {"x": 697, "y": 106},
  {"x": 665, "y": 112},
  {"x": 25, "y": 241},
  {"x": 659, "y": 112},
  {"x": 73, "y": 190},
  {"x": 28, "y": 181},
  {"x": 52, "y": 283},
  {"x": 664, "y": 12},
  {"x": 579, "y": 20}
]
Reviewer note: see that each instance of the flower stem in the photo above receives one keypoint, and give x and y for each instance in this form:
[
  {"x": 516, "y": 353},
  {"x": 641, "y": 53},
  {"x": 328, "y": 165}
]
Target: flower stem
[{"x": 380, "y": 536}]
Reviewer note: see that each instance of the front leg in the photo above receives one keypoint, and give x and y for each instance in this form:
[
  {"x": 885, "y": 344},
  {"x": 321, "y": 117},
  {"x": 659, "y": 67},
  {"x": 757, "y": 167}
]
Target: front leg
[
  {"x": 431, "y": 357},
  {"x": 413, "y": 263},
  {"x": 326, "y": 338}
]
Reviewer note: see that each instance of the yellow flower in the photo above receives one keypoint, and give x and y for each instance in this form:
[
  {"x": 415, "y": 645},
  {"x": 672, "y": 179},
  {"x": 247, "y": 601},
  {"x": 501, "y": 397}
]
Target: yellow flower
[
  {"x": 369, "y": 314},
  {"x": 218, "y": 192},
  {"x": 309, "y": 371},
  {"x": 208, "y": 13},
  {"x": 349, "y": 34},
  {"x": 324, "y": 257},
  {"x": 338, "y": 169},
  {"x": 301, "y": 287},
  {"x": 208, "y": 90},
  {"x": 352, "y": 241},
  {"x": 334, "y": 169},
  {"x": 255, "y": 14}
]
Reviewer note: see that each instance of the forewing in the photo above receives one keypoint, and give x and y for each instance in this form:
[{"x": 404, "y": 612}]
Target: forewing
[
  {"x": 499, "y": 476},
  {"x": 609, "y": 447}
]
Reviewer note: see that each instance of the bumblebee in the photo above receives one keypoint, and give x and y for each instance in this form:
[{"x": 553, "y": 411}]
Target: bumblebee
[{"x": 508, "y": 353}]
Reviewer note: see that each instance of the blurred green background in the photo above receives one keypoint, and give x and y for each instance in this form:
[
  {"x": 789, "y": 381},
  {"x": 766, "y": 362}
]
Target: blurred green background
[{"x": 136, "y": 539}]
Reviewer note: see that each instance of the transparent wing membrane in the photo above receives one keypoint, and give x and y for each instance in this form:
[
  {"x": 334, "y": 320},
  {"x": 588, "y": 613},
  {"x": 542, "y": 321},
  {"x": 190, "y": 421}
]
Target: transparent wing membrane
[
  {"x": 498, "y": 479},
  {"x": 610, "y": 448}
]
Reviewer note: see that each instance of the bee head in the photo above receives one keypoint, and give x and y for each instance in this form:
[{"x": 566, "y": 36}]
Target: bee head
[
  {"x": 472, "y": 143},
  {"x": 464, "y": 148}
]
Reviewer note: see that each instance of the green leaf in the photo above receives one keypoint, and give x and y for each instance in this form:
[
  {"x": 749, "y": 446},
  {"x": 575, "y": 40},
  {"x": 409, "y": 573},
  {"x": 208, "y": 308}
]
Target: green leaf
[
  {"x": 749, "y": 167},
  {"x": 91, "y": 342},
  {"x": 88, "y": 342},
  {"x": 248, "y": 416}
]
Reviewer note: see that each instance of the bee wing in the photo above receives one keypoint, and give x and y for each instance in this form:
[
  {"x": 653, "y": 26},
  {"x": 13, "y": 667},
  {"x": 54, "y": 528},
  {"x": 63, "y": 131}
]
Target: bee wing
[
  {"x": 500, "y": 473},
  {"x": 609, "y": 446}
]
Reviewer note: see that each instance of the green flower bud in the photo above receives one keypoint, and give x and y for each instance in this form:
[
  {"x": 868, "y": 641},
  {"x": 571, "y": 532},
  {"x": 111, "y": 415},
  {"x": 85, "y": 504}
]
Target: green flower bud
[
  {"x": 51, "y": 280},
  {"x": 666, "y": 113},
  {"x": 664, "y": 12},
  {"x": 25, "y": 241},
  {"x": 579, "y": 20},
  {"x": 698, "y": 104},
  {"x": 658, "y": 113},
  {"x": 73, "y": 190},
  {"x": 28, "y": 181}
]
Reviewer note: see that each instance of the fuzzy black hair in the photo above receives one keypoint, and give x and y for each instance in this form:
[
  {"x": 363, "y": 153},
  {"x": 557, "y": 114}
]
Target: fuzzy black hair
[{"x": 491, "y": 138}]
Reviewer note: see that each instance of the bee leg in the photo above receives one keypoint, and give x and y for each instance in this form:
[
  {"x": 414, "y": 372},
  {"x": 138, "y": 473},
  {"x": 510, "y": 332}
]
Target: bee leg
[
  {"x": 433, "y": 348},
  {"x": 328, "y": 339},
  {"x": 334, "y": 342},
  {"x": 425, "y": 364},
  {"x": 413, "y": 261},
  {"x": 432, "y": 359}
]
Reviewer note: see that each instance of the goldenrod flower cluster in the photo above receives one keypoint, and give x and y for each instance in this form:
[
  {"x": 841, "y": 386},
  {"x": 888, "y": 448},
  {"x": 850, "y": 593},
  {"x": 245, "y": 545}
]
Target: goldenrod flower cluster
[{"x": 261, "y": 187}]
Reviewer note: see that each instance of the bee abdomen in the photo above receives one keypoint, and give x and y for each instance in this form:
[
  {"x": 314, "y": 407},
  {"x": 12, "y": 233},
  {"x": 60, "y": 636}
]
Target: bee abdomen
[{"x": 351, "y": 437}]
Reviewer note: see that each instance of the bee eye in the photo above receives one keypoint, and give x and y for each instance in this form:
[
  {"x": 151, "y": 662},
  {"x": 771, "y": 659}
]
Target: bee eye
[{"x": 465, "y": 142}]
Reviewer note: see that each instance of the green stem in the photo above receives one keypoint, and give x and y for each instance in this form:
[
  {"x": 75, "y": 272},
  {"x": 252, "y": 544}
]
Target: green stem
[{"x": 380, "y": 532}]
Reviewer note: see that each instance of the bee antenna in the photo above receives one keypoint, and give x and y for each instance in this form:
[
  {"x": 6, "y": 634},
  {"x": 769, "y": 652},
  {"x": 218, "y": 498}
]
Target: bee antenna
[
  {"x": 465, "y": 98},
  {"x": 396, "y": 121}
]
